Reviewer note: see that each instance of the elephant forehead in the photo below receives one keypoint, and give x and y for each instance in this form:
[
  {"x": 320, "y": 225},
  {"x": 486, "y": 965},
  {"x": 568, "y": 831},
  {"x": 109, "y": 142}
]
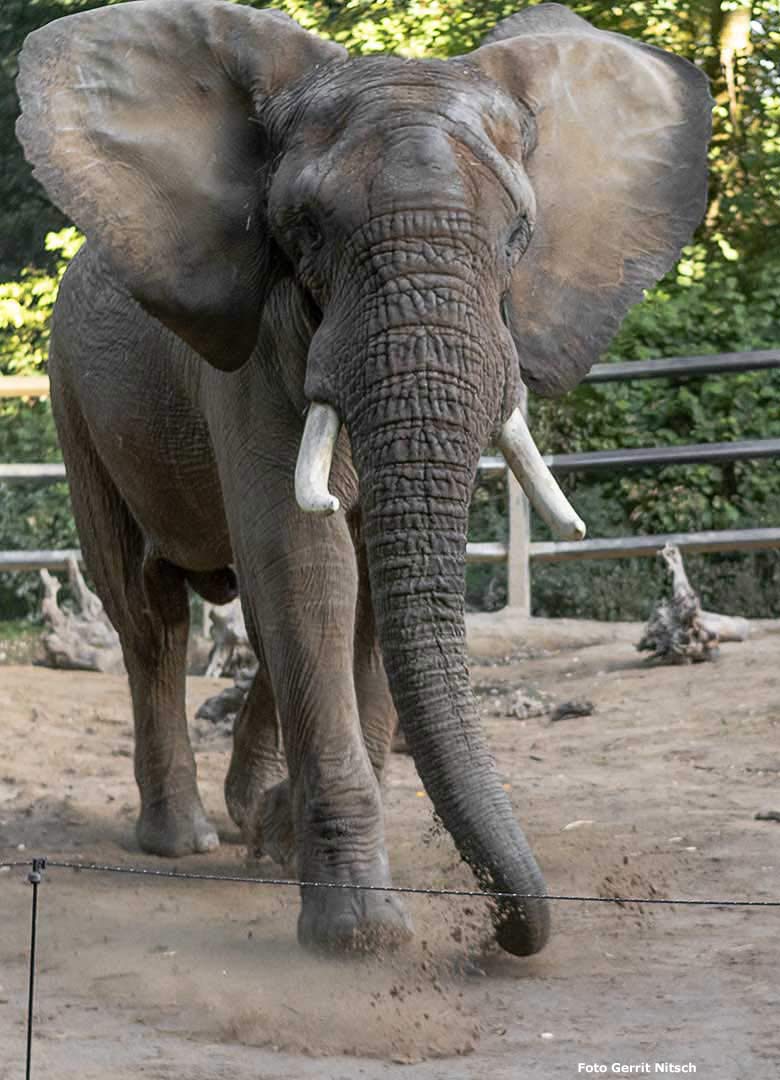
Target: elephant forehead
[
  {"x": 425, "y": 131},
  {"x": 380, "y": 94}
]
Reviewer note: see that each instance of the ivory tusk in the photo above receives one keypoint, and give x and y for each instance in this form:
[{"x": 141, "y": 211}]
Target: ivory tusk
[
  {"x": 539, "y": 484},
  {"x": 315, "y": 457}
]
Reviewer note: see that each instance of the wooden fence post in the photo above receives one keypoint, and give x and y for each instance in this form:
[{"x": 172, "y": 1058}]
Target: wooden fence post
[{"x": 518, "y": 553}]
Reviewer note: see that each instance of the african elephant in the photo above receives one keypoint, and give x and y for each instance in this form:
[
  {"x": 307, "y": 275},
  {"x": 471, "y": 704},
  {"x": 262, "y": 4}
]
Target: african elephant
[{"x": 396, "y": 246}]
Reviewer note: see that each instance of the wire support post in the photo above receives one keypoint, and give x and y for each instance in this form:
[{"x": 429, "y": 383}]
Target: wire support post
[{"x": 34, "y": 877}]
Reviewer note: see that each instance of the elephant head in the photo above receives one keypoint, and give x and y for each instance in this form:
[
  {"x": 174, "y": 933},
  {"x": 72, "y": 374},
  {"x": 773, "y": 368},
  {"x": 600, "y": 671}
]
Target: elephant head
[{"x": 457, "y": 227}]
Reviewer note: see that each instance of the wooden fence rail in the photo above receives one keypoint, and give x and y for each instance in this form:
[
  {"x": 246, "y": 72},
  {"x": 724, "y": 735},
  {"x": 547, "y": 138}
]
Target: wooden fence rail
[
  {"x": 520, "y": 551},
  {"x": 621, "y": 547}
]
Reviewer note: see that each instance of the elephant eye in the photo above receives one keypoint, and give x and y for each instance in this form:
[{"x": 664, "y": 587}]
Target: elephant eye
[
  {"x": 519, "y": 239},
  {"x": 308, "y": 235}
]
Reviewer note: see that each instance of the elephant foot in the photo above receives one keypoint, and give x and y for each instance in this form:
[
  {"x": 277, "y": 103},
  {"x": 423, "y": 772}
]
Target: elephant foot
[
  {"x": 274, "y": 825},
  {"x": 351, "y": 920},
  {"x": 172, "y": 827},
  {"x": 248, "y": 786},
  {"x": 266, "y": 823}
]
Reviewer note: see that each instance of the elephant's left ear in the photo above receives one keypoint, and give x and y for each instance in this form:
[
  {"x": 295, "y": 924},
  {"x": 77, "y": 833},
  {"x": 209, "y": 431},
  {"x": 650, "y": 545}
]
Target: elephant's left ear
[
  {"x": 144, "y": 123},
  {"x": 620, "y": 176}
]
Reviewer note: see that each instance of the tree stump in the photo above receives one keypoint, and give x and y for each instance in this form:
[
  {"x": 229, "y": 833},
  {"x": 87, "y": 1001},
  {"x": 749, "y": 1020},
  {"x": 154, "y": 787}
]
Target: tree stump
[
  {"x": 82, "y": 639},
  {"x": 219, "y": 713},
  {"x": 231, "y": 652},
  {"x": 231, "y": 655},
  {"x": 678, "y": 631}
]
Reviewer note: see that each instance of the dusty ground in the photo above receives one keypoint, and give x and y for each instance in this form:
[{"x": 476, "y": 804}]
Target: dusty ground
[{"x": 167, "y": 979}]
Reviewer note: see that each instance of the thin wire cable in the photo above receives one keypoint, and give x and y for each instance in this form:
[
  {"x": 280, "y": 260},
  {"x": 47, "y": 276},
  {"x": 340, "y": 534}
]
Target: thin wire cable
[{"x": 147, "y": 871}]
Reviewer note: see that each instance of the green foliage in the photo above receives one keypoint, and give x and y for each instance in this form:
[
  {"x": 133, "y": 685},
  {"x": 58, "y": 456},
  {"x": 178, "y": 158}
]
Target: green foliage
[
  {"x": 722, "y": 296},
  {"x": 26, "y": 305},
  {"x": 417, "y": 28},
  {"x": 31, "y": 516}
]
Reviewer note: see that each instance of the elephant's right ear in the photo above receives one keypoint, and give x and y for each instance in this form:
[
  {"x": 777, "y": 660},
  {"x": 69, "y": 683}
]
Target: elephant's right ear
[{"x": 143, "y": 123}]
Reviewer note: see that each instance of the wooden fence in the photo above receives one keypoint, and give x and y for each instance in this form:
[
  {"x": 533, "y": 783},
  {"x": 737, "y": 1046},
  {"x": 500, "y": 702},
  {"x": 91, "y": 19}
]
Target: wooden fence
[{"x": 520, "y": 551}]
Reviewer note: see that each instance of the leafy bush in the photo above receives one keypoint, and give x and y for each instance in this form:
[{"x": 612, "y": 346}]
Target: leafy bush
[{"x": 31, "y": 516}]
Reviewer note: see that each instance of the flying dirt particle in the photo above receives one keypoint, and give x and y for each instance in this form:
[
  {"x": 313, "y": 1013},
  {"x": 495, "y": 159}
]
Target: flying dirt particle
[{"x": 472, "y": 968}]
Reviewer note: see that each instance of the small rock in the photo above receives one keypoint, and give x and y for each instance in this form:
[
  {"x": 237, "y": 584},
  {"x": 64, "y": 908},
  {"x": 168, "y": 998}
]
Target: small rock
[
  {"x": 768, "y": 815},
  {"x": 524, "y": 704}
]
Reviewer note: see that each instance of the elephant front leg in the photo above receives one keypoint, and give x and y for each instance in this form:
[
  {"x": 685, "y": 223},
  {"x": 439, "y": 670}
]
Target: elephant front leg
[{"x": 307, "y": 617}]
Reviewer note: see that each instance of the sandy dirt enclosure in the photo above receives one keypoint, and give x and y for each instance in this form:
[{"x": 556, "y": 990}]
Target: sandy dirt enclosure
[{"x": 654, "y": 794}]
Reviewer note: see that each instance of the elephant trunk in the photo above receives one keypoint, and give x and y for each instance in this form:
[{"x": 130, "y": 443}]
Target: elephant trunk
[{"x": 415, "y": 481}]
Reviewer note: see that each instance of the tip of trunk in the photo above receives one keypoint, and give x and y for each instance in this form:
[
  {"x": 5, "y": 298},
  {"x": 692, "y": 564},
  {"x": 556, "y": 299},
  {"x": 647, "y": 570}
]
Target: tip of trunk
[{"x": 522, "y": 931}]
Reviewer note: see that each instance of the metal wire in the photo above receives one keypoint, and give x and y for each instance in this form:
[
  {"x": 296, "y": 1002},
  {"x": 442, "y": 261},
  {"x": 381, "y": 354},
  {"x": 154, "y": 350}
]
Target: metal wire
[{"x": 479, "y": 894}]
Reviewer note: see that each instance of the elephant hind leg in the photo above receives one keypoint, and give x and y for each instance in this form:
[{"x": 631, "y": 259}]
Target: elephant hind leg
[
  {"x": 145, "y": 598},
  {"x": 256, "y": 791},
  {"x": 172, "y": 819},
  {"x": 378, "y": 717}
]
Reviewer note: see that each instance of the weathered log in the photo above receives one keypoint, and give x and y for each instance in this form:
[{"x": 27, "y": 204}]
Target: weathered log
[
  {"x": 231, "y": 652},
  {"x": 679, "y": 631},
  {"x": 81, "y": 638},
  {"x": 220, "y": 711},
  {"x": 231, "y": 655},
  {"x": 726, "y": 627}
]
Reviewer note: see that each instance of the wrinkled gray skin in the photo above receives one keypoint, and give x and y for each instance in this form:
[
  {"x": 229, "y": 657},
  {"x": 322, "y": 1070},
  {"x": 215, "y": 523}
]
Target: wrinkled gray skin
[{"x": 343, "y": 231}]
